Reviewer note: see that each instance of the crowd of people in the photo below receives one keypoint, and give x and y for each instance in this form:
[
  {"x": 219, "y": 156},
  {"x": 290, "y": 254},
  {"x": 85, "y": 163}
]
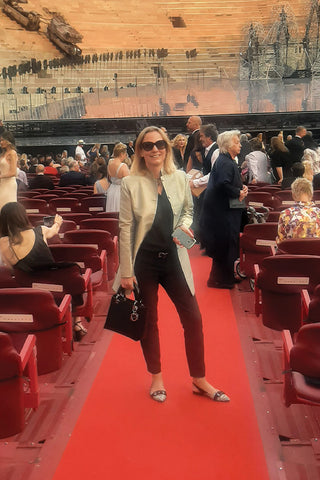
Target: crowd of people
[{"x": 194, "y": 185}]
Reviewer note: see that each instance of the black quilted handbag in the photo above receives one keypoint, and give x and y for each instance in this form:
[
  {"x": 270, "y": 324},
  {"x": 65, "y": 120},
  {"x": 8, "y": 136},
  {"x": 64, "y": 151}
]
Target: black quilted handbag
[{"x": 126, "y": 316}]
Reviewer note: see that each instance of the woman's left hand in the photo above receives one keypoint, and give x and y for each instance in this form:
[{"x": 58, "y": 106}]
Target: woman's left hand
[
  {"x": 187, "y": 231},
  {"x": 243, "y": 193}
]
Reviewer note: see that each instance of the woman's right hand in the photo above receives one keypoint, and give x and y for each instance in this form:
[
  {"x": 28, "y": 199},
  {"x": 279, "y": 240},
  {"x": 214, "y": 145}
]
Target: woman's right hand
[
  {"x": 128, "y": 283},
  {"x": 58, "y": 219}
]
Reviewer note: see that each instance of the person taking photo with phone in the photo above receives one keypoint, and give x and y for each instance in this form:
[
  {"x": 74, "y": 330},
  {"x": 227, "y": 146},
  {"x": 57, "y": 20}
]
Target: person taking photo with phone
[
  {"x": 155, "y": 200},
  {"x": 22, "y": 245}
]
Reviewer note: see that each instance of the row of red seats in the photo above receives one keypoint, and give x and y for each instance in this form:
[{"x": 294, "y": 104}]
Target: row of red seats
[
  {"x": 25, "y": 310},
  {"x": 287, "y": 292}
]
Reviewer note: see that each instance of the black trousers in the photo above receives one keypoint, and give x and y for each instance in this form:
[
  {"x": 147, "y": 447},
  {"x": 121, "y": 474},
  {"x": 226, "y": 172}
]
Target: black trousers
[{"x": 163, "y": 268}]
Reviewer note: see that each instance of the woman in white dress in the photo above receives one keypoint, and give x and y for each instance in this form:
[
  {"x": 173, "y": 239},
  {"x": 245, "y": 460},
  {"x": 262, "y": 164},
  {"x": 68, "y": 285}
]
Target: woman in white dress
[
  {"x": 8, "y": 169},
  {"x": 117, "y": 170}
]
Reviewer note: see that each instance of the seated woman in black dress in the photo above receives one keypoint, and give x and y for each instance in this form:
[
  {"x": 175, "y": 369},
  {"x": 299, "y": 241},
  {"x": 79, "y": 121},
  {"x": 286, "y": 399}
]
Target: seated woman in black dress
[{"x": 25, "y": 247}]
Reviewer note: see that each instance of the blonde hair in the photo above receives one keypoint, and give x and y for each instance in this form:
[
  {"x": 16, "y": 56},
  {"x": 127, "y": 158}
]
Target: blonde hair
[
  {"x": 118, "y": 149},
  {"x": 301, "y": 186},
  {"x": 139, "y": 166},
  {"x": 224, "y": 140},
  {"x": 177, "y": 138}
]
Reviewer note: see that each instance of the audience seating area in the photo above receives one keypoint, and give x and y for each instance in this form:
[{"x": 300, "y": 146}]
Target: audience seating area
[
  {"x": 286, "y": 288},
  {"x": 38, "y": 310}
]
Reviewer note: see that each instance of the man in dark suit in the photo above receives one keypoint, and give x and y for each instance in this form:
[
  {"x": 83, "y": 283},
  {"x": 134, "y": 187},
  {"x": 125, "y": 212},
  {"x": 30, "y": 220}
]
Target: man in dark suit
[
  {"x": 130, "y": 150},
  {"x": 296, "y": 146},
  {"x": 208, "y": 137},
  {"x": 41, "y": 180},
  {"x": 74, "y": 176},
  {"x": 193, "y": 126}
]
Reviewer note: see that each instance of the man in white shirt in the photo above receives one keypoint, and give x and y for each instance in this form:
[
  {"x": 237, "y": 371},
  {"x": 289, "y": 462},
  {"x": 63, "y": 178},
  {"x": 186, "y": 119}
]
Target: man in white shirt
[
  {"x": 80, "y": 152},
  {"x": 208, "y": 137}
]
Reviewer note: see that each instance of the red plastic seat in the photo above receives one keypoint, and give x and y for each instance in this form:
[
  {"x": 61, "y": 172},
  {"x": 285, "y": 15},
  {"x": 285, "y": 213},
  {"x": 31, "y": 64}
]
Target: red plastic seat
[
  {"x": 46, "y": 196},
  {"x": 302, "y": 359},
  {"x": 86, "y": 256},
  {"x": 75, "y": 194},
  {"x": 107, "y": 215},
  {"x": 27, "y": 193},
  {"x": 110, "y": 225},
  {"x": 269, "y": 189},
  {"x": 26, "y": 311},
  {"x": 278, "y": 286},
  {"x": 273, "y": 216},
  {"x": 284, "y": 199},
  {"x": 64, "y": 205},
  {"x": 61, "y": 190},
  {"x": 61, "y": 281},
  {"x": 7, "y": 279},
  {"x": 15, "y": 366},
  {"x": 42, "y": 190},
  {"x": 255, "y": 244},
  {"x": 100, "y": 238},
  {"x": 299, "y": 246},
  {"x": 93, "y": 204},
  {"x": 260, "y": 199},
  {"x": 33, "y": 205},
  {"x": 75, "y": 216}
]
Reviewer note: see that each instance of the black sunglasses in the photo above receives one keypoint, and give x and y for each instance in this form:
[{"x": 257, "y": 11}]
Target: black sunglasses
[{"x": 148, "y": 146}]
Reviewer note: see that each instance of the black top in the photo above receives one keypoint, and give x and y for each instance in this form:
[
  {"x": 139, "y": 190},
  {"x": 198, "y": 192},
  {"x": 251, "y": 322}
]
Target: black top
[
  {"x": 178, "y": 158},
  {"x": 282, "y": 159},
  {"x": 39, "y": 256},
  {"x": 159, "y": 238},
  {"x": 296, "y": 149}
]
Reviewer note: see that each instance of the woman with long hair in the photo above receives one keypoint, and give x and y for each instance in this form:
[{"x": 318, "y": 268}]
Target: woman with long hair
[
  {"x": 117, "y": 170},
  {"x": 8, "y": 169},
  {"x": 279, "y": 159},
  {"x": 102, "y": 184},
  {"x": 155, "y": 201},
  {"x": 25, "y": 247},
  {"x": 21, "y": 245},
  {"x": 179, "y": 144}
]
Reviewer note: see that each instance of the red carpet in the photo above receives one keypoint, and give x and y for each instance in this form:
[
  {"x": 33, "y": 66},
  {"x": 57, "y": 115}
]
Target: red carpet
[{"x": 122, "y": 434}]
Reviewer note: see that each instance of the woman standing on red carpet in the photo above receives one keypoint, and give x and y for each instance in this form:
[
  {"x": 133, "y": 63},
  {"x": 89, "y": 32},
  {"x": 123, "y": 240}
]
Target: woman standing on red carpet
[{"x": 155, "y": 200}]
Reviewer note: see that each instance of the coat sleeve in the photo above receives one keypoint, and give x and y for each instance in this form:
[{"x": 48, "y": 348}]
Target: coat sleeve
[
  {"x": 186, "y": 214},
  {"x": 228, "y": 179},
  {"x": 127, "y": 226}
]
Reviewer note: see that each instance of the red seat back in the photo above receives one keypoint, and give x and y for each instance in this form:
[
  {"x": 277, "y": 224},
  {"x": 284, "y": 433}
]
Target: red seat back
[
  {"x": 64, "y": 205},
  {"x": 305, "y": 353},
  {"x": 43, "y": 321},
  {"x": 300, "y": 246},
  {"x": 33, "y": 205},
  {"x": 259, "y": 199},
  {"x": 93, "y": 204},
  {"x": 255, "y": 243},
  {"x": 281, "y": 280},
  {"x": 110, "y": 225},
  {"x": 86, "y": 256},
  {"x": 11, "y": 389}
]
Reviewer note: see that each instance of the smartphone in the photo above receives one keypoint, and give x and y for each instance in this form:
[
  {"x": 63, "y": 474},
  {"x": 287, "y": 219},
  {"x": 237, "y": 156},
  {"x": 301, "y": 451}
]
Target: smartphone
[
  {"x": 183, "y": 238},
  {"x": 48, "y": 221}
]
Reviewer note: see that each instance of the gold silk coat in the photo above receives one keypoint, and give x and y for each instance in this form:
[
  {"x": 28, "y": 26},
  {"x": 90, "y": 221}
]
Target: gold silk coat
[{"x": 138, "y": 205}]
